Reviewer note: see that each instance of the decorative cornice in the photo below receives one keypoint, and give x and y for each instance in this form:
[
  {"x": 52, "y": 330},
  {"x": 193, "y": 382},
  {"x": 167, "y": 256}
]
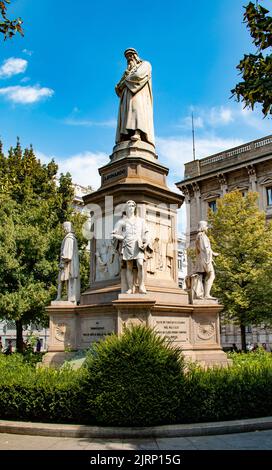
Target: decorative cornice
[
  {"x": 267, "y": 181},
  {"x": 211, "y": 196}
]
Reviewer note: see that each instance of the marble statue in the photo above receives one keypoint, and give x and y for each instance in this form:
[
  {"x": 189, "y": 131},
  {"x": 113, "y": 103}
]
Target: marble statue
[
  {"x": 135, "y": 117},
  {"x": 107, "y": 260},
  {"x": 155, "y": 258},
  {"x": 204, "y": 260},
  {"x": 69, "y": 266},
  {"x": 132, "y": 232}
]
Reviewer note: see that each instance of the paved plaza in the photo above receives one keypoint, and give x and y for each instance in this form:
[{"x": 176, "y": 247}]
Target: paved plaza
[{"x": 258, "y": 440}]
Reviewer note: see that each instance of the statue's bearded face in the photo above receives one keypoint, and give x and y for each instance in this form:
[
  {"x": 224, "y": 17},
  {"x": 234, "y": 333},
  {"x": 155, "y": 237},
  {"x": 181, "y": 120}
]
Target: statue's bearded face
[{"x": 131, "y": 60}]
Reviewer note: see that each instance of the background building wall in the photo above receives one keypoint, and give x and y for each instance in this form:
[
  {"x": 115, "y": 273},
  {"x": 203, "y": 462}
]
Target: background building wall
[{"x": 247, "y": 167}]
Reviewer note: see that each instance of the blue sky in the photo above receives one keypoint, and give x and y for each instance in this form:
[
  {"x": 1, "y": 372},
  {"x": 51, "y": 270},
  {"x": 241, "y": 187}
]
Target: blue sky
[{"x": 57, "y": 83}]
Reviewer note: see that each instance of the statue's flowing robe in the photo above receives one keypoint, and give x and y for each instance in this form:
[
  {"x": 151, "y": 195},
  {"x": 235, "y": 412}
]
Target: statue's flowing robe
[
  {"x": 136, "y": 104},
  {"x": 69, "y": 253},
  {"x": 203, "y": 254}
]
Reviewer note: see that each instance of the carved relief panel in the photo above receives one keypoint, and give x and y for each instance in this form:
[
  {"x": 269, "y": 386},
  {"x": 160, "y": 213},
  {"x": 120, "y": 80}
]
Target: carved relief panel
[
  {"x": 205, "y": 330},
  {"x": 161, "y": 262},
  {"x": 107, "y": 260}
]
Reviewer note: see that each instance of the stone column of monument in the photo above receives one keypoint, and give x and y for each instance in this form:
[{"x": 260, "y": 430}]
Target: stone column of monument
[{"x": 136, "y": 282}]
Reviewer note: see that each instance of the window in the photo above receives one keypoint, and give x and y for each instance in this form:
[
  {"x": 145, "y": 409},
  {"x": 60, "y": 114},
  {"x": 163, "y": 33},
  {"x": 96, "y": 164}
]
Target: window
[
  {"x": 212, "y": 205},
  {"x": 181, "y": 283},
  {"x": 269, "y": 195},
  {"x": 248, "y": 329}
]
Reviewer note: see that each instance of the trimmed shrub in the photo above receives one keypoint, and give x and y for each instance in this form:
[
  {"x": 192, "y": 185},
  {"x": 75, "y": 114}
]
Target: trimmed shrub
[
  {"x": 243, "y": 390},
  {"x": 42, "y": 394},
  {"x": 134, "y": 380}
]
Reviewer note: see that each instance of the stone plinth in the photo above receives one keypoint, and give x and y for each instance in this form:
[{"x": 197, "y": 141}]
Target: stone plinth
[
  {"x": 192, "y": 328},
  {"x": 133, "y": 148},
  {"x": 63, "y": 327}
]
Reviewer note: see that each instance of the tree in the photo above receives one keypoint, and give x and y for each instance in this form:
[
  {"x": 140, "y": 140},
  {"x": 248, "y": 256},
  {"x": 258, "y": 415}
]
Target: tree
[
  {"x": 32, "y": 209},
  {"x": 9, "y": 27},
  {"x": 256, "y": 69},
  {"x": 243, "y": 239}
]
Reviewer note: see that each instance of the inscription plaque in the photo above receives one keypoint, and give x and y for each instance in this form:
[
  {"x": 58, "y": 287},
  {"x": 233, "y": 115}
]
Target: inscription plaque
[
  {"x": 96, "y": 328},
  {"x": 173, "y": 329}
]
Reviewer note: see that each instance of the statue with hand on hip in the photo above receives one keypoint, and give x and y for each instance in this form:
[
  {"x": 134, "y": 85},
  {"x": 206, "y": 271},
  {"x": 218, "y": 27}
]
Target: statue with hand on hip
[
  {"x": 132, "y": 232},
  {"x": 204, "y": 259}
]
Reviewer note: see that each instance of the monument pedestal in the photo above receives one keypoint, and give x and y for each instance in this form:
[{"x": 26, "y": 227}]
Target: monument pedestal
[
  {"x": 134, "y": 173},
  {"x": 192, "y": 328}
]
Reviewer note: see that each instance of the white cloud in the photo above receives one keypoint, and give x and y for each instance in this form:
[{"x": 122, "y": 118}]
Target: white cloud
[
  {"x": 207, "y": 119},
  {"x": 83, "y": 167},
  {"x": 174, "y": 152},
  {"x": 13, "y": 66},
  {"x": 216, "y": 116},
  {"x": 90, "y": 123},
  {"x": 186, "y": 123},
  {"x": 27, "y": 52},
  {"x": 255, "y": 119},
  {"x": 27, "y": 94},
  {"x": 25, "y": 80}
]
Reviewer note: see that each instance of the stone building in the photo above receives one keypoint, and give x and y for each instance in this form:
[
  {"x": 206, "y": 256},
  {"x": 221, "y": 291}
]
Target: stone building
[{"x": 247, "y": 167}]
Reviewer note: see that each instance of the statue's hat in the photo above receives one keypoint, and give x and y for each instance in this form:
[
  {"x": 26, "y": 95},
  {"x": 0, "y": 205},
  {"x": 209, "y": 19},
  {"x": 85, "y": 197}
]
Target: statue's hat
[{"x": 130, "y": 50}]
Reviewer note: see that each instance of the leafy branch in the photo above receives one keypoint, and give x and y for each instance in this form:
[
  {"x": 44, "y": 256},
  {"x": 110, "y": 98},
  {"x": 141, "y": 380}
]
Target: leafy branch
[
  {"x": 256, "y": 69},
  {"x": 9, "y": 27}
]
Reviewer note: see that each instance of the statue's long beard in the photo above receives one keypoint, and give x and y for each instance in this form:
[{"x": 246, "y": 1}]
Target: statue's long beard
[{"x": 131, "y": 64}]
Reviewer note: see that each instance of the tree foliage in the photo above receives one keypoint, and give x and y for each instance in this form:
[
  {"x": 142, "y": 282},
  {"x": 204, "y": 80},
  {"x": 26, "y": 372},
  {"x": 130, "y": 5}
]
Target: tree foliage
[
  {"x": 32, "y": 209},
  {"x": 9, "y": 27},
  {"x": 243, "y": 240},
  {"x": 256, "y": 69}
]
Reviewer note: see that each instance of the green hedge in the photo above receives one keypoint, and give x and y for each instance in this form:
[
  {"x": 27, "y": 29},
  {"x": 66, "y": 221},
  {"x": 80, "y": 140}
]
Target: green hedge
[
  {"x": 136, "y": 380},
  {"x": 42, "y": 394},
  {"x": 243, "y": 390}
]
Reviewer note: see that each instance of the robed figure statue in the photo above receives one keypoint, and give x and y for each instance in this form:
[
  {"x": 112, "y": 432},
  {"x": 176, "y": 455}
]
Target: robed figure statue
[
  {"x": 135, "y": 117},
  {"x": 69, "y": 273}
]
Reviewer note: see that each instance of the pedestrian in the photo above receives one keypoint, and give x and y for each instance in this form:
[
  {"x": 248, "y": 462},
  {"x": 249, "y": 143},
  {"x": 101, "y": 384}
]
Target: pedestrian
[
  {"x": 9, "y": 348},
  {"x": 38, "y": 345},
  {"x": 1, "y": 344}
]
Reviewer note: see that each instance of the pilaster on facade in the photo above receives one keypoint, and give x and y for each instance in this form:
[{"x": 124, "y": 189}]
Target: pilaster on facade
[
  {"x": 187, "y": 193},
  {"x": 252, "y": 175},
  {"x": 197, "y": 195},
  {"x": 223, "y": 182}
]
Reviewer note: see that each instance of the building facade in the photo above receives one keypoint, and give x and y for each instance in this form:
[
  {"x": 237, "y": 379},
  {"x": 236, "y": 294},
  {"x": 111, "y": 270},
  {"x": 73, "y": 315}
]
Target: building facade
[{"x": 247, "y": 167}]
